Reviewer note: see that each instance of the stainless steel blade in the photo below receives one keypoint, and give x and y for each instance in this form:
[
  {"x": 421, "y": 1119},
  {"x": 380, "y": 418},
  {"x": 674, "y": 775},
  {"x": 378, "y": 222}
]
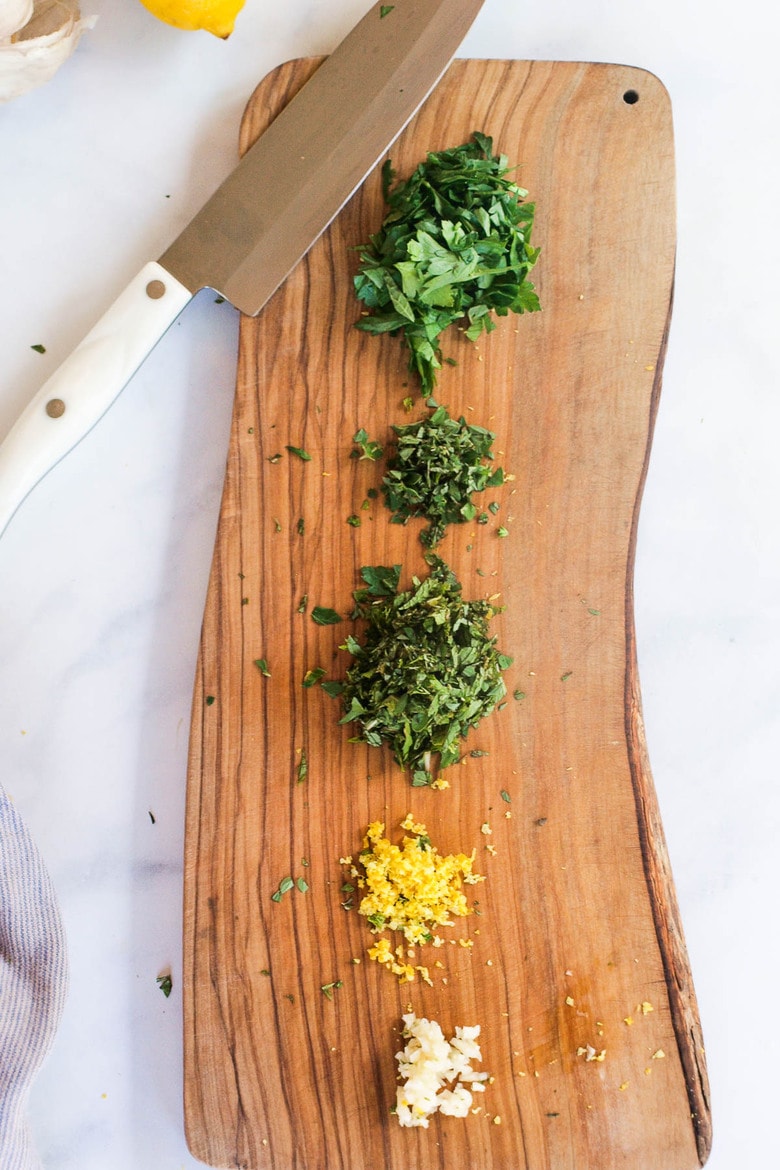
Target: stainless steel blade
[{"x": 317, "y": 152}]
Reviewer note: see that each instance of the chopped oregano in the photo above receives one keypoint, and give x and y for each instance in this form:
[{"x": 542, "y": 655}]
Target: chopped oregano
[
  {"x": 302, "y": 885},
  {"x": 165, "y": 983},
  {"x": 303, "y": 603},
  {"x": 313, "y": 676},
  {"x": 303, "y": 768},
  {"x": 427, "y": 670},
  {"x": 262, "y": 666},
  {"x": 327, "y": 989},
  {"x": 437, "y": 465},
  {"x": 39, "y": 348},
  {"x": 454, "y": 245}
]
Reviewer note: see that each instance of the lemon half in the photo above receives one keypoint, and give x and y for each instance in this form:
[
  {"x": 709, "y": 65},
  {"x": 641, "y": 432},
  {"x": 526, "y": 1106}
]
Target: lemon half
[{"x": 214, "y": 16}]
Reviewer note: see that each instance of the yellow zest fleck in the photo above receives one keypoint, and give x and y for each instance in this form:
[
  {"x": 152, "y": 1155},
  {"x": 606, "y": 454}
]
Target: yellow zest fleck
[
  {"x": 623, "y": 1087},
  {"x": 658, "y": 1055},
  {"x": 486, "y": 829},
  {"x": 628, "y": 1020},
  {"x": 569, "y": 1001},
  {"x": 645, "y": 1008}
]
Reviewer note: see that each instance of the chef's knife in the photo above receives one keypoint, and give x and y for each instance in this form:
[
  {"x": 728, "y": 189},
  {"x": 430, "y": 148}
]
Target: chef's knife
[{"x": 256, "y": 226}]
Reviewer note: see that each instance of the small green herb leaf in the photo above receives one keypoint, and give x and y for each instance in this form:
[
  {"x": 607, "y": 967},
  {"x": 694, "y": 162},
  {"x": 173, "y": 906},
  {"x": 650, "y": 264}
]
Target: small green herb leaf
[
  {"x": 39, "y": 348},
  {"x": 299, "y": 451},
  {"x": 313, "y": 676},
  {"x": 327, "y": 989},
  {"x": 165, "y": 983},
  {"x": 262, "y": 666},
  {"x": 366, "y": 448},
  {"x": 324, "y": 616}
]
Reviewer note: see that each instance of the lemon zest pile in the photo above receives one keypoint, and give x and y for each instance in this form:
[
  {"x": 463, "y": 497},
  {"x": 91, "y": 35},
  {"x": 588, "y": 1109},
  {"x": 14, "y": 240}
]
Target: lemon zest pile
[{"x": 410, "y": 888}]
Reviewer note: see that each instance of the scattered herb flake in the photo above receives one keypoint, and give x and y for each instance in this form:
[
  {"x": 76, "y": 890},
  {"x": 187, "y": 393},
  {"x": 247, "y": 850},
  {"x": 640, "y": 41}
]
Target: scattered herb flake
[
  {"x": 210, "y": 700},
  {"x": 366, "y": 448},
  {"x": 165, "y": 983},
  {"x": 333, "y": 688},
  {"x": 354, "y": 520},
  {"x": 39, "y": 348},
  {"x": 327, "y": 989},
  {"x": 427, "y": 671},
  {"x": 300, "y": 527},
  {"x": 303, "y": 768},
  {"x": 303, "y": 603},
  {"x": 502, "y": 531},
  {"x": 313, "y": 676},
  {"x": 302, "y": 885},
  {"x": 505, "y": 796},
  {"x": 566, "y": 675},
  {"x": 299, "y": 451},
  {"x": 454, "y": 246},
  {"x": 519, "y": 695},
  {"x": 262, "y": 666},
  {"x": 275, "y": 458},
  {"x": 385, "y": 10},
  {"x": 324, "y": 616}
]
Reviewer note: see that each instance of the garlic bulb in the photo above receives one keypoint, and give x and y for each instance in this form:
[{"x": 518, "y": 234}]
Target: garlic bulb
[
  {"x": 33, "y": 53},
  {"x": 14, "y": 15}
]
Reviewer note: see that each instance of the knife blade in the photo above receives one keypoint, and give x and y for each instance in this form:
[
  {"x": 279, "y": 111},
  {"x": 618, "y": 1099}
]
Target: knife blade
[{"x": 256, "y": 226}]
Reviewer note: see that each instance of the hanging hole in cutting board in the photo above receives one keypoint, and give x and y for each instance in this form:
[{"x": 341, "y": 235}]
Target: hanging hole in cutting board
[{"x": 630, "y": 97}]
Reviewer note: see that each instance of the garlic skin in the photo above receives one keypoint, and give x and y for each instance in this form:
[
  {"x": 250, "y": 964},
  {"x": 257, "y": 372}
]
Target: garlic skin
[
  {"x": 14, "y": 15},
  {"x": 34, "y": 53}
]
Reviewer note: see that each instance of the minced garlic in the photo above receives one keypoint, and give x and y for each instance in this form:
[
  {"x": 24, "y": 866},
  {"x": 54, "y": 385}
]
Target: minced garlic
[{"x": 437, "y": 1073}]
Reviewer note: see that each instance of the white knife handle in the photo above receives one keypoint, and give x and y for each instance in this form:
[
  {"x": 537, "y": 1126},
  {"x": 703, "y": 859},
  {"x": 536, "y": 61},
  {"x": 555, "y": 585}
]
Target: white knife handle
[{"x": 79, "y": 393}]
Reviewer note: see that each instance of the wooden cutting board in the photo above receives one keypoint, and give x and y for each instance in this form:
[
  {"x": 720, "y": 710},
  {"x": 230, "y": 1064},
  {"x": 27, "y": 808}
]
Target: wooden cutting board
[{"x": 577, "y": 924}]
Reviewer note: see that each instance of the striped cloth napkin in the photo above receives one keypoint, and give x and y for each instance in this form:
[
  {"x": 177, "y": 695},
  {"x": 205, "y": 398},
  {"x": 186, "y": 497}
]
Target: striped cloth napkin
[{"x": 33, "y": 980}]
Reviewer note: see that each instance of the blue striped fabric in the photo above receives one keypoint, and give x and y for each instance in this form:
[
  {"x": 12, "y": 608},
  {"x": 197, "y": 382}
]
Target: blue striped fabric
[{"x": 33, "y": 980}]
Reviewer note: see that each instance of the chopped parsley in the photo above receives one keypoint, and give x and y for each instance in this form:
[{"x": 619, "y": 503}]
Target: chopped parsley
[{"x": 454, "y": 246}]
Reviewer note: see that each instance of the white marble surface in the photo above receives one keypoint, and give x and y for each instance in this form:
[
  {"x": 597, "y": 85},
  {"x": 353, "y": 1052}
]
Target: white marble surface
[{"x": 103, "y": 570}]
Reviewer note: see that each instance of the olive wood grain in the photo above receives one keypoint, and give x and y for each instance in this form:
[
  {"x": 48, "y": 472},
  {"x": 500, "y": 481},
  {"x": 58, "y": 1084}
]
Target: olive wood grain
[{"x": 578, "y": 923}]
